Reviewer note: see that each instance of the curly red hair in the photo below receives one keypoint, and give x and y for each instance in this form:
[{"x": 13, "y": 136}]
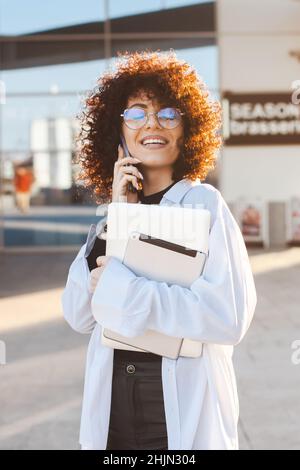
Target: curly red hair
[{"x": 172, "y": 82}]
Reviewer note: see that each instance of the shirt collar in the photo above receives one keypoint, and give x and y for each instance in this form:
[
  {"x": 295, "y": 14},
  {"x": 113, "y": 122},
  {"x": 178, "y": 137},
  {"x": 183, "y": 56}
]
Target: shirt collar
[{"x": 179, "y": 189}]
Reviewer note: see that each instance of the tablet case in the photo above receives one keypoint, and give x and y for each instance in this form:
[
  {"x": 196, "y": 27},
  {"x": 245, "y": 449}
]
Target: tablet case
[
  {"x": 160, "y": 260},
  {"x": 186, "y": 225}
]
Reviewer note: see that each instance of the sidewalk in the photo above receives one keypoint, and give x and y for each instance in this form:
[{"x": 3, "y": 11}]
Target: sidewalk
[{"x": 42, "y": 383}]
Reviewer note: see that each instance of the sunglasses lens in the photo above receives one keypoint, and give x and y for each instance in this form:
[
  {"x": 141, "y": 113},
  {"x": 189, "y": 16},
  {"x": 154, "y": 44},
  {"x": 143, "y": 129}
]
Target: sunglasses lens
[
  {"x": 134, "y": 117},
  {"x": 169, "y": 117}
]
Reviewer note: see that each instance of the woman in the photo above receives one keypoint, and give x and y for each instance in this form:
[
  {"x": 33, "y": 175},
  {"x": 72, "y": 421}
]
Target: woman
[{"x": 137, "y": 400}]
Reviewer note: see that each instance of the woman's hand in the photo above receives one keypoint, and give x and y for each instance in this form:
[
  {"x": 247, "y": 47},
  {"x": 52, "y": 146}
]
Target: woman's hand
[
  {"x": 96, "y": 273},
  {"x": 123, "y": 175}
]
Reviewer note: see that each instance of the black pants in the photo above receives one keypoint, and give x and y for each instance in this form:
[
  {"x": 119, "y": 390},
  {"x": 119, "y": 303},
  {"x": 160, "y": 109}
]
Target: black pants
[{"x": 137, "y": 418}]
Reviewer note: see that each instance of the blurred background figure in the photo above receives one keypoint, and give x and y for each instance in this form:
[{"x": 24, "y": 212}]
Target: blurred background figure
[{"x": 23, "y": 181}]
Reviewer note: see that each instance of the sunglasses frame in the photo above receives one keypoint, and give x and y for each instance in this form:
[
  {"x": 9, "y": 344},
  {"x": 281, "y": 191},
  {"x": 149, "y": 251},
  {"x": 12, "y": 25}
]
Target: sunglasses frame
[{"x": 149, "y": 114}]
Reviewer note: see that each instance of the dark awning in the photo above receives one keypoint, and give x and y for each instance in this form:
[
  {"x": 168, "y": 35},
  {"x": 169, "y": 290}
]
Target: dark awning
[{"x": 78, "y": 43}]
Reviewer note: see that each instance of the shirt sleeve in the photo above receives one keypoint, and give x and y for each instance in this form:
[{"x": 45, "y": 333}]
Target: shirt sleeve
[
  {"x": 76, "y": 298},
  {"x": 217, "y": 308}
]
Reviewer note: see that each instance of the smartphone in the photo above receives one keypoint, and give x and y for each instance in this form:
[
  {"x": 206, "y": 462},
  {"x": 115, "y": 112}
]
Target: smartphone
[{"x": 131, "y": 188}]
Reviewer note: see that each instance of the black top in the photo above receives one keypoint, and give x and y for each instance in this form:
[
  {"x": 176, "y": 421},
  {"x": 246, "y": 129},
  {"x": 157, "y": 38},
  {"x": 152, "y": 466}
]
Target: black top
[
  {"x": 99, "y": 250},
  {"x": 155, "y": 197}
]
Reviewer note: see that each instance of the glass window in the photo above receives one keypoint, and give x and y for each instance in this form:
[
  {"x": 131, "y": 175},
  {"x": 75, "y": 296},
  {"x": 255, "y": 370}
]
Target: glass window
[
  {"x": 118, "y": 8},
  {"x": 181, "y": 3},
  {"x": 204, "y": 59},
  {"x": 38, "y": 134},
  {"x": 54, "y": 79},
  {"x": 21, "y": 17}
]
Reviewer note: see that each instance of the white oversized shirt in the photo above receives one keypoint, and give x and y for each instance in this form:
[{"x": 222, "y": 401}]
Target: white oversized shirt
[{"x": 200, "y": 394}]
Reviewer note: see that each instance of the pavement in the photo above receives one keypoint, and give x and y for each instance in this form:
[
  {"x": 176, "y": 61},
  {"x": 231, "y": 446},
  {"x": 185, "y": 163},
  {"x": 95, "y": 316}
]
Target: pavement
[{"x": 41, "y": 383}]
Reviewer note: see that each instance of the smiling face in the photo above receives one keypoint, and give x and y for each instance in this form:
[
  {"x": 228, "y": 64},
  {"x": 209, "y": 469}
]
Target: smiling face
[{"x": 152, "y": 155}]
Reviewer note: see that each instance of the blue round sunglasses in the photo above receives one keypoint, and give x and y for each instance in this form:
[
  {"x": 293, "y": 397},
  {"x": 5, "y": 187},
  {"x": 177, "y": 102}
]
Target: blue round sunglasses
[{"x": 136, "y": 117}]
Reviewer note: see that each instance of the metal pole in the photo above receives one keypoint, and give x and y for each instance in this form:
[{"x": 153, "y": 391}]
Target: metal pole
[
  {"x": 107, "y": 34},
  {"x": 2, "y": 101}
]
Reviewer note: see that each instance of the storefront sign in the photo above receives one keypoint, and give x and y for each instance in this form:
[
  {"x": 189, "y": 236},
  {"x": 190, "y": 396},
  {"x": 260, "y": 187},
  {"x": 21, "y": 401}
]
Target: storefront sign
[{"x": 260, "y": 119}]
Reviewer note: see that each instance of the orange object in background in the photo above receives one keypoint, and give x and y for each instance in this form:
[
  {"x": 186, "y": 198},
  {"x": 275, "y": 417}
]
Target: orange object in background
[{"x": 23, "y": 180}]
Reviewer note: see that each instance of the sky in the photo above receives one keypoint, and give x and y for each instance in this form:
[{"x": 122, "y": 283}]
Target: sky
[{"x": 33, "y": 15}]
